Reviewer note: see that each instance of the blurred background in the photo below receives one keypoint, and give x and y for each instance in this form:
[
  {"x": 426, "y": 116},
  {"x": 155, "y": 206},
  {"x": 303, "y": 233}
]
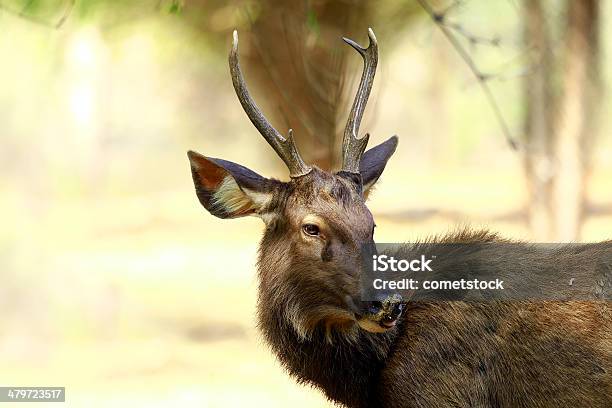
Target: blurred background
[{"x": 113, "y": 277}]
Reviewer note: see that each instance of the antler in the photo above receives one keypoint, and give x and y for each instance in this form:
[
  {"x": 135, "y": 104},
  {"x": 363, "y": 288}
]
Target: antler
[
  {"x": 352, "y": 146},
  {"x": 285, "y": 148}
]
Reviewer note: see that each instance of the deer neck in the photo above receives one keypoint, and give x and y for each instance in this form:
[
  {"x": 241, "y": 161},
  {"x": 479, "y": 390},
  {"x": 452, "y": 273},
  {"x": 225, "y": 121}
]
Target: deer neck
[{"x": 345, "y": 365}]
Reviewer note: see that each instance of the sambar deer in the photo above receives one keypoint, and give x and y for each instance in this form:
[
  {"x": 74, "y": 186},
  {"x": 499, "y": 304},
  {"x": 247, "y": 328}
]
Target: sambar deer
[{"x": 391, "y": 353}]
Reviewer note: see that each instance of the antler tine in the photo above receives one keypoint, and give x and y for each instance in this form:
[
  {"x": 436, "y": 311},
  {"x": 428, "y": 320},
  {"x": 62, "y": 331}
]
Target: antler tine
[
  {"x": 284, "y": 147},
  {"x": 353, "y": 146}
]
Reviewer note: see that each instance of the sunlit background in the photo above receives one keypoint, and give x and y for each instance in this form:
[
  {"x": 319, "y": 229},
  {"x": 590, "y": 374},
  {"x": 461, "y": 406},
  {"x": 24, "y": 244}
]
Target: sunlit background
[{"x": 116, "y": 284}]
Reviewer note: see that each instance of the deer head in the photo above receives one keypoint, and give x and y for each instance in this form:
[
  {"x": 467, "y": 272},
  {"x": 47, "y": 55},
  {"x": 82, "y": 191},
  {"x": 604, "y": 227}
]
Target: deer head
[{"x": 316, "y": 223}]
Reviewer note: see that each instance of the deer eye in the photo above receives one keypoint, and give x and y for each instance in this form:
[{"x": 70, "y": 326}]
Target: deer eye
[{"x": 311, "y": 229}]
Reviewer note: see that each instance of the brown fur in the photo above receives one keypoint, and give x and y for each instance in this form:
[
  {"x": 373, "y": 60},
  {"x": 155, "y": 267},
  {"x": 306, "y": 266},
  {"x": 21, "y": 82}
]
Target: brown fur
[
  {"x": 440, "y": 354},
  {"x": 449, "y": 354}
]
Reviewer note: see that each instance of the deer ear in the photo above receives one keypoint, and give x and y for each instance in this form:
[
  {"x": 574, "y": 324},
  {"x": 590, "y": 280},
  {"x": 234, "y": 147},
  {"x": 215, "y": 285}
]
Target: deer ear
[
  {"x": 374, "y": 161},
  {"x": 229, "y": 190}
]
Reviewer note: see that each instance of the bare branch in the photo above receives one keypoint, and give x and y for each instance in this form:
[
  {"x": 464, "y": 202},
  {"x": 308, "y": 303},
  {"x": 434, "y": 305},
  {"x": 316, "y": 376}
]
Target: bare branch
[
  {"x": 66, "y": 14},
  {"x": 39, "y": 21},
  {"x": 472, "y": 38},
  {"x": 439, "y": 19}
]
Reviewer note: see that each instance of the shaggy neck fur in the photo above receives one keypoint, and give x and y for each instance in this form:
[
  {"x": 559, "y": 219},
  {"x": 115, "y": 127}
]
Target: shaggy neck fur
[
  {"x": 486, "y": 354},
  {"x": 343, "y": 361},
  {"x": 344, "y": 364}
]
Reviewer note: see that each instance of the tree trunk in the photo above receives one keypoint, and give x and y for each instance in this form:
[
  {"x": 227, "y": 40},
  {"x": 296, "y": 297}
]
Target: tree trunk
[
  {"x": 298, "y": 59},
  {"x": 575, "y": 125},
  {"x": 538, "y": 130},
  {"x": 560, "y": 123}
]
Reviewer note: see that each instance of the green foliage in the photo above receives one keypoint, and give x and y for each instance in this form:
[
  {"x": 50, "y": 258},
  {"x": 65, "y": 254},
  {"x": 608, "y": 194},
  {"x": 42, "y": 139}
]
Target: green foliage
[
  {"x": 175, "y": 7},
  {"x": 312, "y": 22}
]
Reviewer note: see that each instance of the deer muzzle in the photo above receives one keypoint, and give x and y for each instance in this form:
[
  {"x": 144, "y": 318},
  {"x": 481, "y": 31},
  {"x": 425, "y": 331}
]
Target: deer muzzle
[{"x": 380, "y": 315}]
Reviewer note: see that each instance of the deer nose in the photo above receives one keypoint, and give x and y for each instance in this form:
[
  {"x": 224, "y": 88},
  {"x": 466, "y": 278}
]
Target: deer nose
[
  {"x": 396, "y": 310},
  {"x": 389, "y": 305}
]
